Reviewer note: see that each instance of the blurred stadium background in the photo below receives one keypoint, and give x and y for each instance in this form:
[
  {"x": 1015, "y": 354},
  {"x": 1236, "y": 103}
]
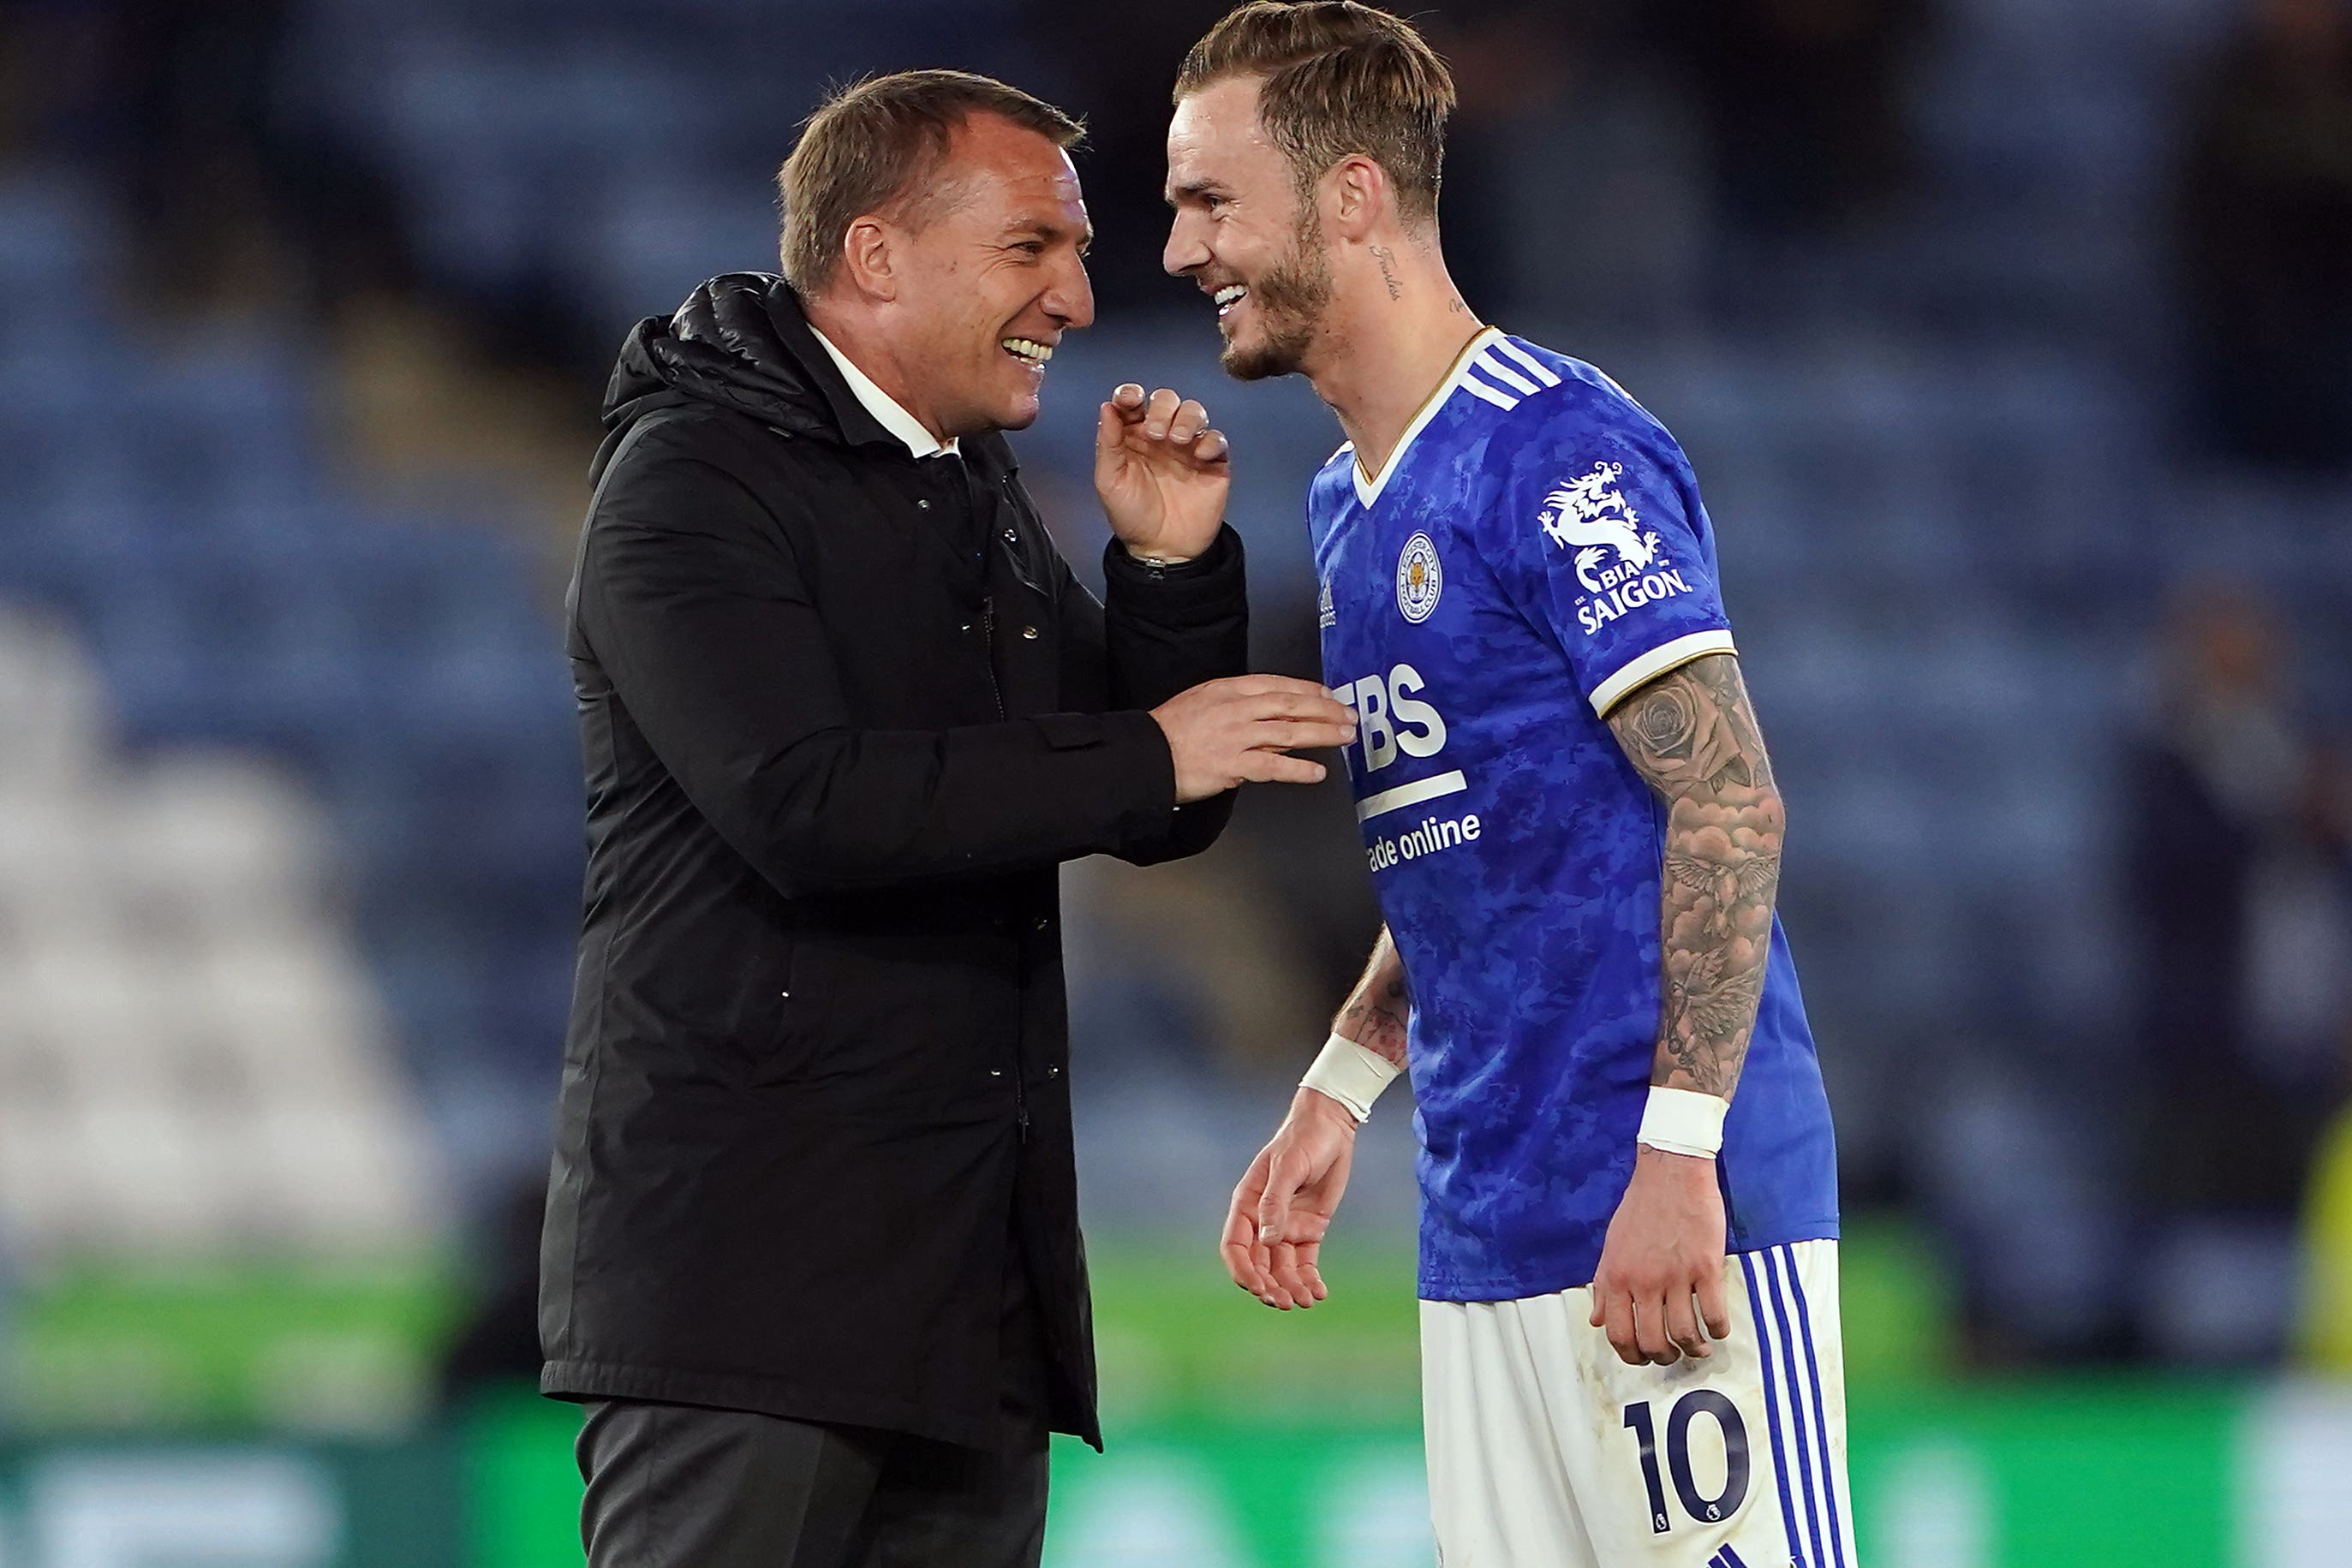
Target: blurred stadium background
[{"x": 2012, "y": 339}]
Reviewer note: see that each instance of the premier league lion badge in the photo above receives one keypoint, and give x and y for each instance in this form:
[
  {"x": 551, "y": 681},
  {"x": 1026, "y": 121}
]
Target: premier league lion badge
[{"x": 1419, "y": 579}]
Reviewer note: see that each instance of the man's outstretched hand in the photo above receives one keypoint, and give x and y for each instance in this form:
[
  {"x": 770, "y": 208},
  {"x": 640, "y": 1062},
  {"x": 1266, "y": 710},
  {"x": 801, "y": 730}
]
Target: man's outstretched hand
[{"x": 1223, "y": 734}]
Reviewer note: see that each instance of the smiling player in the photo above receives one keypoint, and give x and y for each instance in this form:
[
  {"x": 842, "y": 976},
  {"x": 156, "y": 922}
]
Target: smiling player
[{"x": 1629, "y": 1277}]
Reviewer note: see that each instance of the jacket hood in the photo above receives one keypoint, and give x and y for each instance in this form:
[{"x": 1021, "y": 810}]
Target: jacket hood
[
  {"x": 743, "y": 342},
  {"x": 740, "y": 341}
]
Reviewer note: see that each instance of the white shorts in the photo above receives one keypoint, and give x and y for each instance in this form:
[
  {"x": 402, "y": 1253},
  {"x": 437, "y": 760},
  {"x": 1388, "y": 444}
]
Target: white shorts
[{"x": 1547, "y": 1452}]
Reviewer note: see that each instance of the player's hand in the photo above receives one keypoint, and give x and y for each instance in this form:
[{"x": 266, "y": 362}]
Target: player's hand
[
  {"x": 1223, "y": 734},
  {"x": 1161, "y": 471},
  {"x": 1664, "y": 1251},
  {"x": 1272, "y": 1242}
]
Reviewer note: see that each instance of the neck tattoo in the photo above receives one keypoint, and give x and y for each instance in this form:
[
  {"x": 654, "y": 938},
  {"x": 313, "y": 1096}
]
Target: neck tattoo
[{"x": 1383, "y": 255}]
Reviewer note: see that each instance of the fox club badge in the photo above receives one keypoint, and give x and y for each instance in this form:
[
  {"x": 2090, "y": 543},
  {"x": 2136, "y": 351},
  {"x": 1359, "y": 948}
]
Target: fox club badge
[{"x": 1419, "y": 579}]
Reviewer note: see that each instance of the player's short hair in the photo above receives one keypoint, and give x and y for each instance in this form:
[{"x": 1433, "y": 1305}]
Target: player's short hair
[
  {"x": 876, "y": 146},
  {"x": 1337, "y": 79}
]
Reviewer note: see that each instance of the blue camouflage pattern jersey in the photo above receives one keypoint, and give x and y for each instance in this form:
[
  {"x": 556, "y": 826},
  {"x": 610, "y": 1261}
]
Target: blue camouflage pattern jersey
[{"x": 1533, "y": 550}]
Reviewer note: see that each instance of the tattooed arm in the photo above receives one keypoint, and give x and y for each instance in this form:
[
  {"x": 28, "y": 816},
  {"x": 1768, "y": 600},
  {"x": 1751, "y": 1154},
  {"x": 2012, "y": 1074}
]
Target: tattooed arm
[
  {"x": 1376, "y": 1013},
  {"x": 1692, "y": 736}
]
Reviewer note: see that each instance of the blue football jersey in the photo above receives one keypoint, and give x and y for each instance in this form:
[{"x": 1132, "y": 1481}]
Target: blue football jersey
[{"x": 1533, "y": 550}]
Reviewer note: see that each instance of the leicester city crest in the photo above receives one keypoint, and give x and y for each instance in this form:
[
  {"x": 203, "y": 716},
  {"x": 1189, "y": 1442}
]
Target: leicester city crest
[{"x": 1419, "y": 579}]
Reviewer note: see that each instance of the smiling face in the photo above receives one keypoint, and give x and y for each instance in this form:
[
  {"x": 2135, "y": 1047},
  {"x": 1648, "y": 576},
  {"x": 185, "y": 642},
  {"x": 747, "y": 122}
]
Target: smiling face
[
  {"x": 991, "y": 269},
  {"x": 1242, "y": 232}
]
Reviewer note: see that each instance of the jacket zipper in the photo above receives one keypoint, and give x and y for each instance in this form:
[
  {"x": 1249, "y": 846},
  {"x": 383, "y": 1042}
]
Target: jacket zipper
[{"x": 988, "y": 637}]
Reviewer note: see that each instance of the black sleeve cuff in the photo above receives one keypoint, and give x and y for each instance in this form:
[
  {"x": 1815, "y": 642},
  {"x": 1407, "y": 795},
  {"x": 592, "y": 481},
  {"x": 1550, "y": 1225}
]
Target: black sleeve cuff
[{"x": 1209, "y": 582}]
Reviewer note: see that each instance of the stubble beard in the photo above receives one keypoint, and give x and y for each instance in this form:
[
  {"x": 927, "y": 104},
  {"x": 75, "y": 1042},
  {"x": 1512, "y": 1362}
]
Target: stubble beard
[{"x": 1289, "y": 302}]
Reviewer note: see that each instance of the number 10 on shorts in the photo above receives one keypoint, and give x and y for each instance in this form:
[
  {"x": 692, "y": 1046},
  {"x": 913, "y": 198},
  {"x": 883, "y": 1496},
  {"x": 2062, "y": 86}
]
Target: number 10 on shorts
[{"x": 1695, "y": 1403}]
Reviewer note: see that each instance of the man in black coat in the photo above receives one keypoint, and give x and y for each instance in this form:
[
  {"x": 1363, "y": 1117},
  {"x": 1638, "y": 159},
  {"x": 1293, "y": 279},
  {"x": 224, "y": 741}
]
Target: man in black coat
[{"x": 812, "y": 1254}]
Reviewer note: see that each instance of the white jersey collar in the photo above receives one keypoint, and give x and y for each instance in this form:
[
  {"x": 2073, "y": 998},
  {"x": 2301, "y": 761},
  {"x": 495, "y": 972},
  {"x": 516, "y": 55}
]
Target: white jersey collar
[{"x": 1369, "y": 486}]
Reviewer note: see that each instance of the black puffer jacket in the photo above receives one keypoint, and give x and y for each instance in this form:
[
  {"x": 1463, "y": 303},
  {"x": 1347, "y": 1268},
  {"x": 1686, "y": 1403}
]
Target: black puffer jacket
[{"x": 844, "y": 714}]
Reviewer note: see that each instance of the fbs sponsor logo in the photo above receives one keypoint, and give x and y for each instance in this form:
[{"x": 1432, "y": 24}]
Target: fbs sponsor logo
[
  {"x": 1390, "y": 720},
  {"x": 1419, "y": 579},
  {"x": 1392, "y": 724},
  {"x": 1617, "y": 559}
]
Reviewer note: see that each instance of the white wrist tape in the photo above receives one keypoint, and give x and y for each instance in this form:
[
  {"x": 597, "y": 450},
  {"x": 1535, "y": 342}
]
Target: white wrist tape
[
  {"x": 1350, "y": 1074},
  {"x": 1683, "y": 1121}
]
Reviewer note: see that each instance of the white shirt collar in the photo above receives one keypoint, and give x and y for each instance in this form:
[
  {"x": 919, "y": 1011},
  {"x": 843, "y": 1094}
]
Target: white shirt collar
[{"x": 885, "y": 407}]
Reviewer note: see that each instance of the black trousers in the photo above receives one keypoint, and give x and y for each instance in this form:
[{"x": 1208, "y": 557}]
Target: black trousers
[
  {"x": 680, "y": 1486},
  {"x": 674, "y": 1486}
]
